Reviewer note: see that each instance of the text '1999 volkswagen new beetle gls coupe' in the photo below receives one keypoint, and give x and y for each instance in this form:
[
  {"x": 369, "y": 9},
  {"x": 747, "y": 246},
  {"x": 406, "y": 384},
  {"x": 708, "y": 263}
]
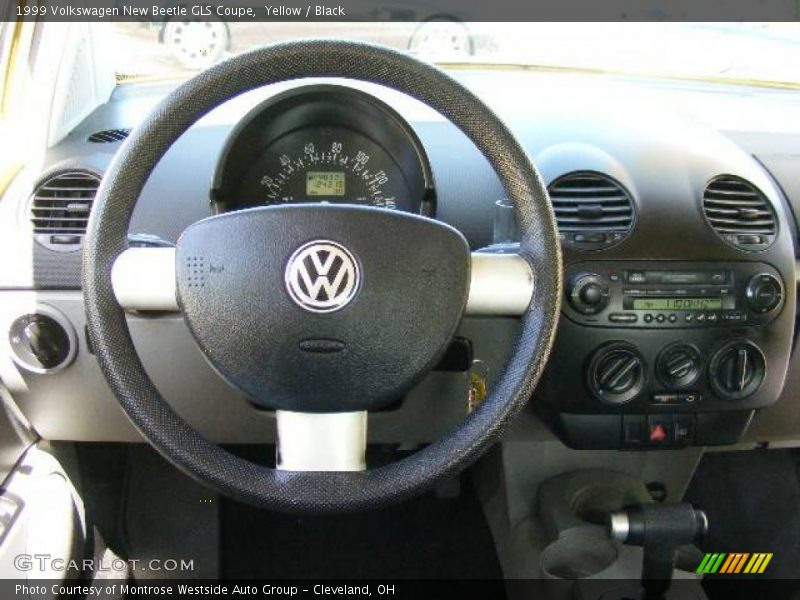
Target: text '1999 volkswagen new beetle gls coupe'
[{"x": 406, "y": 305}]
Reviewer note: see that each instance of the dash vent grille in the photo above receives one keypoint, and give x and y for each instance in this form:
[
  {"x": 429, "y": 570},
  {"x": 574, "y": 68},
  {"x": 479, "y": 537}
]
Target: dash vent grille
[
  {"x": 739, "y": 212},
  {"x": 109, "y": 136},
  {"x": 60, "y": 207},
  {"x": 592, "y": 210}
]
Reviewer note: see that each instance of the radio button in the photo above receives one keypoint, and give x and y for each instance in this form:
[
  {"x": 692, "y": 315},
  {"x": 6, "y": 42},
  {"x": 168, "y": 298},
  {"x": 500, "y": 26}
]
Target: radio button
[
  {"x": 673, "y": 318},
  {"x": 660, "y": 318},
  {"x": 734, "y": 317},
  {"x": 623, "y": 318},
  {"x": 718, "y": 277},
  {"x": 711, "y": 317},
  {"x": 648, "y": 318},
  {"x": 700, "y": 318},
  {"x": 688, "y": 317},
  {"x": 637, "y": 277}
]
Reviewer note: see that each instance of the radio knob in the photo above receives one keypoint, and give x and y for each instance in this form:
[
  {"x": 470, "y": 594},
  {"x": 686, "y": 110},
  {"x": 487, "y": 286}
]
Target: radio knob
[
  {"x": 764, "y": 293},
  {"x": 591, "y": 294},
  {"x": 588, "y": 293}
]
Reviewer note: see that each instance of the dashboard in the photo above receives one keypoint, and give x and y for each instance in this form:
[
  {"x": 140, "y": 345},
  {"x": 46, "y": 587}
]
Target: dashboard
[{"x": 678, "y": 318}]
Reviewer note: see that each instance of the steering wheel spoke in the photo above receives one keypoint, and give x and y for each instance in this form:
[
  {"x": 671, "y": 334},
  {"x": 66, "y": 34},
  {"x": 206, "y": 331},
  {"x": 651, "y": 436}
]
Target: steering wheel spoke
[
  {"x": 500, "y": 284},
  {"x": 144, "y": 279},
  {"x": 321, "y": 441}
]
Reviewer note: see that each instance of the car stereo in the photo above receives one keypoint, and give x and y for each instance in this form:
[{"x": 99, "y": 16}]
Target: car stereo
[{"x": 705, "y": 295}]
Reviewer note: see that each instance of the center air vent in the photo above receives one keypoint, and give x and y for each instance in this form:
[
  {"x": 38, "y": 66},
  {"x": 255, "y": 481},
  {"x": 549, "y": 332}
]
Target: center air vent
[
  {"x": 109, "y": 136},
  {"x": 593, "y": 210},
  {"x": 740, "y": 213},
  {"x": 60, "y": 209}
]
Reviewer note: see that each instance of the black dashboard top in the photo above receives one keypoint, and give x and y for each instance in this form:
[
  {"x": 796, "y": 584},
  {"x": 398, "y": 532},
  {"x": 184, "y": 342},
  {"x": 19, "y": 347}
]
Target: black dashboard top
[{"x": 628, "y": 130}]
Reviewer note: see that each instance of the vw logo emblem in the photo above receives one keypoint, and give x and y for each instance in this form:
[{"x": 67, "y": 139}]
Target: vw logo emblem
[{"x": 322, "y": 276}]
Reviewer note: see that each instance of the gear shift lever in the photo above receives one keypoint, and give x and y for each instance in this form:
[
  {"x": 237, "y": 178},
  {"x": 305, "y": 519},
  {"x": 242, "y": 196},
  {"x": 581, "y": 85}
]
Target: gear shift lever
[{"x": 660, "y": 529}]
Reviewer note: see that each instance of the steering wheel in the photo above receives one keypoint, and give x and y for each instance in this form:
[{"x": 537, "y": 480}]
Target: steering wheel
[{"x": 321, "y": 312}]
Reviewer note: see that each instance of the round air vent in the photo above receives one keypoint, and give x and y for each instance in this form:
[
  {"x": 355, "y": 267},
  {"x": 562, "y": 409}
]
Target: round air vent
[
  {"x": 737, "y": 370},
  {"x": 60, "y": 207},
  {"x": 593, "y": 211},
  {"x": 617, "y": 373},
  {"x": 740, "y": 213}
]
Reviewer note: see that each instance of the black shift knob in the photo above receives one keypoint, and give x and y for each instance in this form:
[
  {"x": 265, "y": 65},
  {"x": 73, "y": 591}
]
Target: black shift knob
[
  {"x": 660, "y": 529},
  {"x": 667, "y": 524}
]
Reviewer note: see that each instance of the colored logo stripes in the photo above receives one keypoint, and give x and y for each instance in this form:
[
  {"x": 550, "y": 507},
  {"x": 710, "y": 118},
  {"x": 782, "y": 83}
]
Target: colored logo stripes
[{"x": 733, "y": 563}]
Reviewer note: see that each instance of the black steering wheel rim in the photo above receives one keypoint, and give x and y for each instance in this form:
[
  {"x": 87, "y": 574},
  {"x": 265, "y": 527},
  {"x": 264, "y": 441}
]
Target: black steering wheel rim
[{"x": 329, "y": 491}]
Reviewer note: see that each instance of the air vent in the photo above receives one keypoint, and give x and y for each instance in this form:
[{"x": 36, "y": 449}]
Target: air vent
[
  {"x": 739, "y": 213},
  {"x": 593, "y": 210},
  {"x": 109, "y": 136},
  {"x": 60, "y": 209}
]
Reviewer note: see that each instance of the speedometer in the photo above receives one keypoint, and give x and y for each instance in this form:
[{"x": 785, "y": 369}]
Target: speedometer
[
  {"x": 324, "y": 144},
  {"x": 327, "y": 164}
]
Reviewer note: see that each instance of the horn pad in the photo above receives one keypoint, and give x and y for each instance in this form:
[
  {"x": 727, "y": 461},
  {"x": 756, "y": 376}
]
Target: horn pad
[{"x": 327, "y": 308}]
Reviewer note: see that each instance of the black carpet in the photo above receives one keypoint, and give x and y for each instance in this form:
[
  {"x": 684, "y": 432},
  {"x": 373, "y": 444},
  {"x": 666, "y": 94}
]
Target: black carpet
[
  {"x": 426, "y": 538},
  {"x": 752, "y": 500}
]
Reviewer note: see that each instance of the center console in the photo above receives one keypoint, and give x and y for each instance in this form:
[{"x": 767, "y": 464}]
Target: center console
[{"x": 664, "y": 354}]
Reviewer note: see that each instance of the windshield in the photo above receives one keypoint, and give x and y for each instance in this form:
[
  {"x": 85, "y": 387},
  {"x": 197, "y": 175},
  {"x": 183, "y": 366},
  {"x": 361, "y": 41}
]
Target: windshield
[{"x": 746, "y": 52}]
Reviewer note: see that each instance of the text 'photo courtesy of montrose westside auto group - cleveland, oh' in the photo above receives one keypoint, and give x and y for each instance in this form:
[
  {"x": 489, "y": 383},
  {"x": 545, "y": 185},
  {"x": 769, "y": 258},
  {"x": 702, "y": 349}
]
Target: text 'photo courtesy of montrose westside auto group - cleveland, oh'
[{"x": 399, "y": 299}]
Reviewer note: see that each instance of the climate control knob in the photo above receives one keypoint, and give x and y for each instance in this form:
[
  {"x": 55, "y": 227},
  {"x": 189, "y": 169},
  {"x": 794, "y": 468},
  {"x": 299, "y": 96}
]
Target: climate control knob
[
  {"x": 588, "y": 293},
  {"x": 764, "y": 293},
  {"x": 737, "y": 370},
  {"x": 678, "y": 365},
  {"x": 617, "y": 373}
]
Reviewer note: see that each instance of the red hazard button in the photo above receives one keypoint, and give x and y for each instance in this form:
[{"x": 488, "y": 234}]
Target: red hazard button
[{"x": 658, "y": 433}]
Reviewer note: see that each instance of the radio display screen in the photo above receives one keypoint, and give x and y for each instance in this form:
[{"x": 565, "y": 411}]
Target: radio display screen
[{"x": 677, "y": 304}]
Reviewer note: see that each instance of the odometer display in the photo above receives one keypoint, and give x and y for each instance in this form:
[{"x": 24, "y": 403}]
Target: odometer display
[
  {"x": 677, "y": 303},
  {"x": 327, "y": 183}
]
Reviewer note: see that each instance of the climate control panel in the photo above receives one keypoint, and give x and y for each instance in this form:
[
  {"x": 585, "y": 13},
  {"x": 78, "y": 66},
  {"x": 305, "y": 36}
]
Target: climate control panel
[{"x": 663, "y": 354}]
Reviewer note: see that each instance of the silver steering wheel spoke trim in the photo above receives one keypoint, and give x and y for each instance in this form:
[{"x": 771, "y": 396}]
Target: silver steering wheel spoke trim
[
  {"x": 144, "y": 280},
  {"x": 321, "y": 441}
]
